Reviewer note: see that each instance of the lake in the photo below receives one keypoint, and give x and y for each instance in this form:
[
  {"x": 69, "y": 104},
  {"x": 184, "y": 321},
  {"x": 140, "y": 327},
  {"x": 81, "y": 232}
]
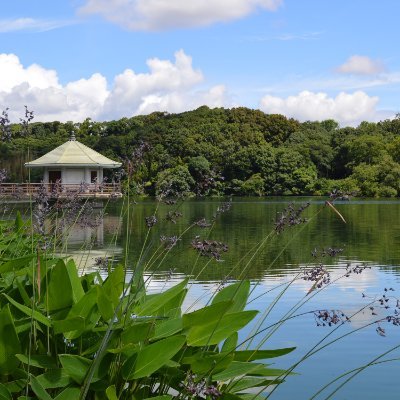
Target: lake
[{"x": 370, "y": 256}]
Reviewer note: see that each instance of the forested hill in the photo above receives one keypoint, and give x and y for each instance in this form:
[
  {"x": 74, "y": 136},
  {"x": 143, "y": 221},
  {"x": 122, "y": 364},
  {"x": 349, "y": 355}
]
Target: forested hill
[{"x": 229, "y": 151}]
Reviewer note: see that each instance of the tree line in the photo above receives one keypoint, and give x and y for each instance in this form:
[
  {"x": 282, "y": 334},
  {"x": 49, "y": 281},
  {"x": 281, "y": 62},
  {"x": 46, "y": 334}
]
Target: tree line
[{"x": 220, "y": 151}]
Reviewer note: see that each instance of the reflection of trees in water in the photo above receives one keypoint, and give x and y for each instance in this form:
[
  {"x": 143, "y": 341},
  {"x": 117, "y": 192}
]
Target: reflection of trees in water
[{"x": 371, "y": 233}]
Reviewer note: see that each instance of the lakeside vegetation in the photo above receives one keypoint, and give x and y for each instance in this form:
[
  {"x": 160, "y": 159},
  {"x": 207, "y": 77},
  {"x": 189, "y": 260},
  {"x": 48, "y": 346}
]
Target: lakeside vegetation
[
  {"x": 66, "y": 334},
  {"x": 221, "y": 151},
  {"x": 76, "y": 335}
]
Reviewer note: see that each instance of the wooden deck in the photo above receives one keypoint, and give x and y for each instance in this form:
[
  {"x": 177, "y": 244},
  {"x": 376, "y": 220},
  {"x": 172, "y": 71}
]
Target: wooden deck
[{"x": 28, "y": 190}]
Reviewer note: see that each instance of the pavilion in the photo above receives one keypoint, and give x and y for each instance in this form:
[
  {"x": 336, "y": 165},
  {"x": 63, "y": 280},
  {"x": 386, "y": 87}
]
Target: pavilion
[{"x": 74, "y": 166}]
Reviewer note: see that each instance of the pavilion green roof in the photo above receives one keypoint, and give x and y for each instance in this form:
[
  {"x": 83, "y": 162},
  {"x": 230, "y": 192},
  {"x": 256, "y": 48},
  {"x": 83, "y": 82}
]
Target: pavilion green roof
[{"x": 73, "y": 154}]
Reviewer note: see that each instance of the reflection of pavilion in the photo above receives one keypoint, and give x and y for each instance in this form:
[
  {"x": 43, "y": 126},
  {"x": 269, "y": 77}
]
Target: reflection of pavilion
[
  {"x": 87, "y": 243},
  {"x": 79, "y": 234}
]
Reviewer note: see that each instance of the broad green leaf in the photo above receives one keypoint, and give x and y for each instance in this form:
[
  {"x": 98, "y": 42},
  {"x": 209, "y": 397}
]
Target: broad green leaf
[
  {"x": 238, "y": 368},
  {"x": 64, "y": 287},
  {"x": 238, "y": 293},
  {"x": 9, "y": 342},
  {"x": 55, "y": 378},
  {"x": 69, "y": 324},
  {"x": 235, "y": 370},
  {"x": 16, "y": 263},
  {"x": 127, "y": 350},
  {"x": 71, "y": 393},
  {"x": 251, "y": 382},
  {"x": 23, "y": 292},
  {"x": 164, "y": 397},
  {"x": 16, "y": 386},
  {"x": 155, "y": 302},
  {"x": 19, "y": 223},
  {"x": 105, "y": 304},
  {"x": 230, "y": 343},
  {"x": 251, "y": 355},
  {"x": 155, "y": 355},
  {"x": 114, "y": 285},
  {"x": 23, "y": 325},
  {"x": 111, "y": 393},
  {"x": 77, "y": 290},
  {"x": 102, "y": 366},
  {"x": 172, "y": 308},
  {"x": 85, "y": 308},
  {"x": 205, "y": 315},
  {"x": 39, "y": 390},
  {"x": 167, "y": 328},
  {"x": 136, "y": 333},
  {"x": 28, "y": 311},
  {"x": 40, "y": 361},
  {"x": 4, "y": 393},
  {"x": 76, "y": 367},
  {"x": 216, "y": 331},
  {"x": 252, "y": 396},
  {"x": 205, "y": 363}
]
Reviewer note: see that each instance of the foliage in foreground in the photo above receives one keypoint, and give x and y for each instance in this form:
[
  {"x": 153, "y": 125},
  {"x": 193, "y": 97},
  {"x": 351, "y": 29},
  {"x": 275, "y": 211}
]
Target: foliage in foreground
[{"x": 66, "y": 336}]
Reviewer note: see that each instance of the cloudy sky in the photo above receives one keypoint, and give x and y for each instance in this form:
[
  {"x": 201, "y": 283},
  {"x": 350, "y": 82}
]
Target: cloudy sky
[{"x": 107, "y": 59}]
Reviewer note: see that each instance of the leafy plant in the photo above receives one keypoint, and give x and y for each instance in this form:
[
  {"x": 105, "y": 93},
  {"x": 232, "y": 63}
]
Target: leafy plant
[{"x": 65, "y": 336}]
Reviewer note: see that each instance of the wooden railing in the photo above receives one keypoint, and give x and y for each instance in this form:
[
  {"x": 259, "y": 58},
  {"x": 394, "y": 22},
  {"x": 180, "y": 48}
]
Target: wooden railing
[{"x": 60, "y": 190}]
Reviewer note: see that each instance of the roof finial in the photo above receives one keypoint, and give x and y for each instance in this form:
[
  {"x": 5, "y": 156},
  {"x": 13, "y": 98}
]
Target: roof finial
[{"x": 72, "y": 138}]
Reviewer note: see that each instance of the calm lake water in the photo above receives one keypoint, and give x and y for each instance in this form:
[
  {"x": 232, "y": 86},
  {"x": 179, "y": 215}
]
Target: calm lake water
[{"x": 370, "y": 238}]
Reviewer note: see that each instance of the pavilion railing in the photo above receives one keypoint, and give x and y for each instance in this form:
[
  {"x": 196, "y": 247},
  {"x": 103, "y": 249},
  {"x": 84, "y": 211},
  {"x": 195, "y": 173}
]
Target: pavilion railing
[{"x": 60, "y": 189}]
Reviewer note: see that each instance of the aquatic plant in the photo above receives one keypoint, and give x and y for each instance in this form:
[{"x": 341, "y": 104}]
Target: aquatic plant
[{"x": 63, "y": 335}]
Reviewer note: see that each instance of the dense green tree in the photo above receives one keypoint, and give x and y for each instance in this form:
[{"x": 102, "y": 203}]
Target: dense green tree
[
  {"x": 254, "y": 186},
  {"x": 222, "y": 151},
  {"x": 175, "y": 182}
]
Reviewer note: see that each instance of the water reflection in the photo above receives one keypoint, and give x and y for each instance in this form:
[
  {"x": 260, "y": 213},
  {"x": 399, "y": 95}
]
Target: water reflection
[{"x": 371, "y": 237}]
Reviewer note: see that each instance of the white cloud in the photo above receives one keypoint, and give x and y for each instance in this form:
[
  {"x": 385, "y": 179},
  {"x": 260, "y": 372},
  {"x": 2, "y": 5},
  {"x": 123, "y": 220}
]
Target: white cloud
[
  {"x": 361, "y": 65},
  {"x": 346, "y": 108},
  {"x": 167, "y": 86},
  {"x": 13, "y": 73},
  {"x": 156, "y": 15},
  {"x": 31, "y": 24}
]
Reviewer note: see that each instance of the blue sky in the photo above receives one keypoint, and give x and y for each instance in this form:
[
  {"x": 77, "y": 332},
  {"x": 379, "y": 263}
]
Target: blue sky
[{"x": 107, "y": 59}]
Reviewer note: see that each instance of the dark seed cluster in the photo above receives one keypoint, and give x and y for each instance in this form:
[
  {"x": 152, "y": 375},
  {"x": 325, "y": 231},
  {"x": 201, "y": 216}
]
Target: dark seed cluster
[
  {"x": 173, "y": 216},
  {"x": 224, "y": 207},
  {"x": 317, "y": 274},
  {"x": 330, "y": 317},
  {"x": 151, "y": 221},
  {"x": 223, "y": 283},
  {"x": 202, "y": 223},
  {"x": 5, "y": 127},
  {"x": 209, "y": 248},
  {"x": 137, "y": 157},
  {"x": 102, "y": 262},
  {"x": 41, "y": 209},
  {"x": 169, "y": 241},
  {"x": 383, "y": 304},
  {"x": 328, "y": 252},
  {"x": 358, "y": 269},
  {"x": 290, "y": 216},
  {"x": 26, "y": 121}
]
